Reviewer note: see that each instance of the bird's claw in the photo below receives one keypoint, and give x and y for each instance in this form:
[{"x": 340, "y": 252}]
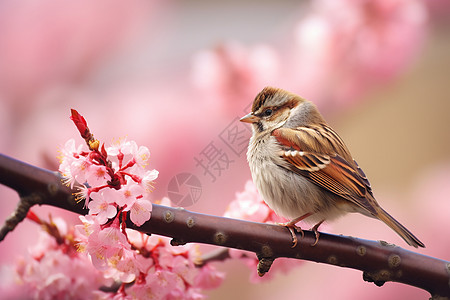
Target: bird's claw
[
  {"x": 294, "y": 236},
  {"x": 316, "y": 232},
  {"x": 292, "y": 229},
  {"x": 317, "y": 238}
]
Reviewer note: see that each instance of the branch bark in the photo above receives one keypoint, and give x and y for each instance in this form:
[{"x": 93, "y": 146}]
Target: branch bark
[{"x": 379, "y": 261}]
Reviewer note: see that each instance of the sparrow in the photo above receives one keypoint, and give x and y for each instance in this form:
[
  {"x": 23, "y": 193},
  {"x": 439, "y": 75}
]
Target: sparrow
[{"x": 303, "y": 169}]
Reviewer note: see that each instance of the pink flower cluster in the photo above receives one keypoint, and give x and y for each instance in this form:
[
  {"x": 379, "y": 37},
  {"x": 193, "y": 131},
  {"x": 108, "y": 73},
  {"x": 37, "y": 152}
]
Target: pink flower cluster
[
  {"x": 113, "y": 182},
  {"x": 152, "y": 268},
  {"x": 54, "y": 269},
  {"x": 157, "y": 269},
  {"x": 110, "y": 180},
  {"x": 250, "y": 206},
  {"x": 105, "y": 190}
]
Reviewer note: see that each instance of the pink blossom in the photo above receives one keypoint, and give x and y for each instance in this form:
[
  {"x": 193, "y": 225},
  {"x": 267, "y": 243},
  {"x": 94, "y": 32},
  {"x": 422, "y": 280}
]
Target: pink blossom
[
  {"x": 89, "y": 226},
  {"x": 68, "y": 156},
  {"x": 107, "y": 246},
  {"x": 113, "y": 196},
  {"x": 128, "y": 154},
  {"x": 163, "y": 283},
  {"x": 55, "y": 271},
  {"x": 68, "y": 152},
  {"x": 209, "y": 278},
  {"x": 126, "y": 267},
  {"x": 131, "y": 161},
  {"x": 140, "y": 154},
  {"x": 184, "y": 268},
  {"x": 57, "y": 275},
  {"x": 100, "y": 207},
  {"x": 148, "y": 180},
  {"x": 129, "y": 193},
  {"x": 168, "y": 272},
  {"x": 140, "y": 211},
  {"x": 79, "y": 169},
  {"x": 140, "y": 291},
  {"x": 166, "y": 257},
  {"x": 83, "y": 194},
  {"x": 97, "y": 175},
  {"x": 138, "y": 239},
  {"x": 174, "y": 271},
  {"x": 126, "y": 196},
  {"x": 144, "y": 264},
  {"x": 77, "y": 166},
  {"x": 116, "y": 147},
  {"x": 250, "y": 206}
]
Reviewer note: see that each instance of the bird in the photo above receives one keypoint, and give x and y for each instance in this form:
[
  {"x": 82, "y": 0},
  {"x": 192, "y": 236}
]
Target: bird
[{"x": 303, "y": 169}]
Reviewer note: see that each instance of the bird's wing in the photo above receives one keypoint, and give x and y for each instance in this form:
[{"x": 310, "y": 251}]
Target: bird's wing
[{"x": 319, "y": 155}]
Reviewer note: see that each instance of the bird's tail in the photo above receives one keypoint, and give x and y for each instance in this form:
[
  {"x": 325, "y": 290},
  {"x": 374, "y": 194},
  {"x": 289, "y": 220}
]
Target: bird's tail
[{"x": 401, "y": 230}]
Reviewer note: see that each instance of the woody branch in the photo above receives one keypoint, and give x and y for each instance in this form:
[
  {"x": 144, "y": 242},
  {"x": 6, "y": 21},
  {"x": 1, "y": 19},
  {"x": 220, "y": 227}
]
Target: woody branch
[{"x": 379, "y": 261}]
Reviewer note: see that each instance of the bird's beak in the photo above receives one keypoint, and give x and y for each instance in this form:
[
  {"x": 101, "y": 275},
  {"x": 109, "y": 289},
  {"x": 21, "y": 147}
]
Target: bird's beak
[{"x": 250, "y": 118}]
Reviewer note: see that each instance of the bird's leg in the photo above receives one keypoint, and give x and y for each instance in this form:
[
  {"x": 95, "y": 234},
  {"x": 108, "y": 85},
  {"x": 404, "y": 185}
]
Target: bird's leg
[
  {"x": 291, "y": 226},
  {"x": 316, "y": 232}
]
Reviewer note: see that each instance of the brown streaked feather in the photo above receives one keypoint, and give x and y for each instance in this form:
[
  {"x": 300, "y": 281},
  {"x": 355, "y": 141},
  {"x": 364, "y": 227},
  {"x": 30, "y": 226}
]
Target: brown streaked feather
[
  {"x": 277, "y": 97},
  {"x": 306, "y": 161},
  {"x": 364, "y": 177},
  {"x": 331, "y": 171},
  {"x": 262, "y": 97}
]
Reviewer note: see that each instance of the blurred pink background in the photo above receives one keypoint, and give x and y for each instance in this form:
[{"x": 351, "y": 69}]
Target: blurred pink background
[{"x": 175, "y": 76}]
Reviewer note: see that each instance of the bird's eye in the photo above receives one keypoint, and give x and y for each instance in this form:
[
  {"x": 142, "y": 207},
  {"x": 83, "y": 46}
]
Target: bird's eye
[{"x": 268, "y": 112}]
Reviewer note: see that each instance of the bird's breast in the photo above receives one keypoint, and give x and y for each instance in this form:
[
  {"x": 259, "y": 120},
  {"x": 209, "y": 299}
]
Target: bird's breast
[{"x": 289, "y": 194}]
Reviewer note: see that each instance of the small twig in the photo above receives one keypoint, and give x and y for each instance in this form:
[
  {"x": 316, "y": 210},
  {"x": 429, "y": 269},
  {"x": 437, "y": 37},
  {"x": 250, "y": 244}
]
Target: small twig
[
  {"x": 220, "y": 254},
  {"x": 24, "y": 205},
  {"x": 264, "y": 264}
]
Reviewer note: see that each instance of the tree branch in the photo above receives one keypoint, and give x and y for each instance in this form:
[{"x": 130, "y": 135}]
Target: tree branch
[
  {"x": 379, "y": 261},
  {"x": 25, "y": 203}
]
